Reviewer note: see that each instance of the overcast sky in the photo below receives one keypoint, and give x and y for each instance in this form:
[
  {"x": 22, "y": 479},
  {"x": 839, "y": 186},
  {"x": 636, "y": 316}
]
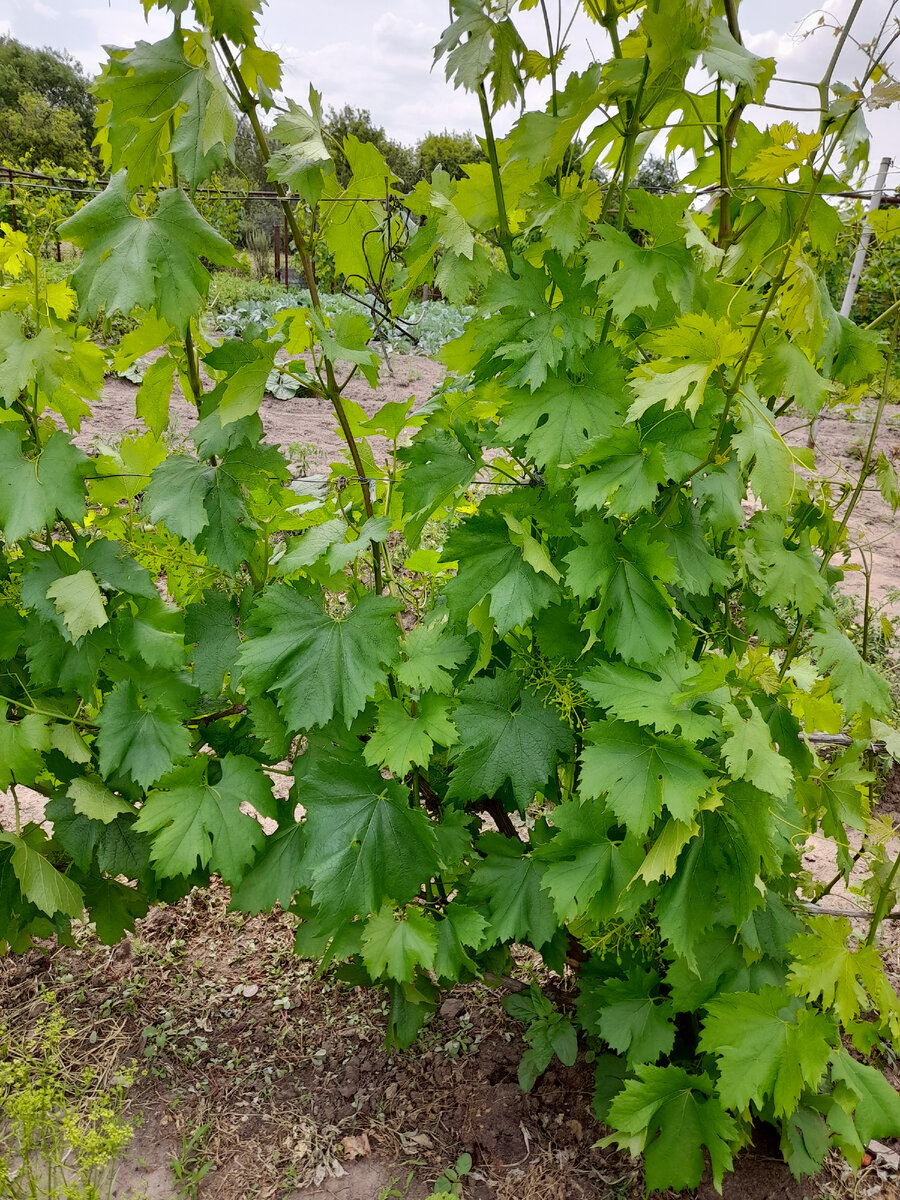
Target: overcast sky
[{"x": 376, "y": 54}]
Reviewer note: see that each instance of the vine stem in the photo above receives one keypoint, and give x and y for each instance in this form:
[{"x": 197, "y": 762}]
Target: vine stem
[
  {"x": 881, "y": 906},
  {"x": 502, "y": 215},
  {"x": 333, "y": 391}
]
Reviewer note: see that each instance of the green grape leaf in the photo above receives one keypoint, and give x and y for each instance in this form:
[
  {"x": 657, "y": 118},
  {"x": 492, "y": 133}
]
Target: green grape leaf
[
  {"x": 671, "y": 1116},
  {"x": 211, "y": 627},
  {"x": 92, "y": 798},
  {"x": 431, "y": 653},
  {"x": 139, "y": 735},
  {"x": 877, "y": 1111},
  {"x": 154, "y": 101},
  {"x": 646, "y": 274},
  {"x": 33, "y": 493},
  {"x": 21, "y": 745},
  {"x": 314, "y": 665},
  {"x": 640, "y": 773},
  {"x": 41, "y": 883},
  {"x": 785, "y": 372},
  {"x": 564, "y": 417},
  {"x": 508, "y": 880},
  {"x": 151, "y": 261},
  {"x": 79, "y": 601},
  {"x": 505, "y": 733},
  {"x": 154, "y": 394},
  {"x": 397, "y": 949},
  {"x": 402, "y": 740},
  {"x": 364, "y": 844},
  {"x": 762, "y": 450},
  {"x": 302, "y": 151},
  {"x": 767, "y": 1044},
  {"x": 624, "y": 473},
  {"x": 733, "y": 62},
  {"x": 629, "y": 1015},
  {"x": 825, "y": 968},
  {"x": 888, "y": 483},
  {"x": 585, "y": 871},
  {"x": 436, "y": 468},
  {"x": 633, "y": 613},
  {"x": 750, "y": 755},
  {"x": 194, "y": 821},
  {"x": 650, "y": 697},
  {"x": 479, "y": 49},
  {"x": 275, "y": 876},
  {"x": 113, "y": 907},
  {"x": 860, "y": 689},
  {"x": 492, "y": 566}
]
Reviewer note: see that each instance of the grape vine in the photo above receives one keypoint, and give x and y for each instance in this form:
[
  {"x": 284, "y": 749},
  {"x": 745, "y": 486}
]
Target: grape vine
[{"x": 581, "y": 722}]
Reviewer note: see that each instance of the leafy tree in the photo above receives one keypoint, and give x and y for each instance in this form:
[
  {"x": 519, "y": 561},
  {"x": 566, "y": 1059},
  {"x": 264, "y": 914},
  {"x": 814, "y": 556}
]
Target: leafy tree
[
  {"x": 451, "y": 151},
  {"x": 48, "y": 89},
  {"x": 357, "y": 122},
  {"x": 35, "y": 131}
]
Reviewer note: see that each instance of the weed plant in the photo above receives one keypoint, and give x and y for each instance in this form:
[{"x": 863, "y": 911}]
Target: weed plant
[{"x": 61, "y": 1129}]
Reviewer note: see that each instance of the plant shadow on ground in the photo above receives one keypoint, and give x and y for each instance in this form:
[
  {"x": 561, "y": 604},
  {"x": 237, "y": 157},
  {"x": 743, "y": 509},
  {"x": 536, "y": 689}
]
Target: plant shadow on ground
[{"x": 260, "y": 1080}]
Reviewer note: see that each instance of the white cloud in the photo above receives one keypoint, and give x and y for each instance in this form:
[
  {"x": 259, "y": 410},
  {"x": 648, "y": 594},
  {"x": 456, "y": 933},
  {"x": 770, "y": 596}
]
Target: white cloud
[{"x": 377, "y": 54}]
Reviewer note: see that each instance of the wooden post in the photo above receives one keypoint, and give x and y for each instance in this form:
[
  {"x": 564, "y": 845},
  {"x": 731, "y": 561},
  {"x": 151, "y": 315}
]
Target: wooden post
[
  {"x": 277, "y": 233},
  {"x": 287, "y": 242},
  {"x": 859, "y": 260},
  {"x": 12, "y": 201}
]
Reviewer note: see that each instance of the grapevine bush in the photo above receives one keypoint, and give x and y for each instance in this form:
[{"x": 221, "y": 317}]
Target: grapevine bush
[{"x": 545, "y": 673}]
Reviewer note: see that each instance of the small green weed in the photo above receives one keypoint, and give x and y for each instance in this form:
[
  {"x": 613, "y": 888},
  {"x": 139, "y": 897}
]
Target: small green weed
[
  {"x": 190, "y": 1164},
  {"x": 450, "y": 1183},
  {"x": 62, "y": 1130}
]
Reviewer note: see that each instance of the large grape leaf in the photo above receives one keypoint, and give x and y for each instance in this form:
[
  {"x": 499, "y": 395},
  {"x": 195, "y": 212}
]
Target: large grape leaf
[
  {"x": 639, "y": 773},
  {"x": 629, "y": 1014},
  {"x": 671, "y": 1116},
  {"x": 877, "y": 1112},
  {"x": 315, "y": 665},
  {"x": 155, "y": 101},
  {"x": 586, "y": 872},
  {"x": 491, "y": 565},
  {"x": 212, "y": 627},
  {"x": 33, "y": 493},
  {"x": 139, "y": 735},
  {"x": 364, "y": 844},
  {"x": 633, "y": 614},
  {"x": 195, "y": 821},
  {"x": 650, "y": 697},
  {"x": 563, "y": 417},
  {"x": 155, "y": 261},
  {"x": 436, "y": 468},
  {"x": 860, "y": 689},
  {"x": 508, "y": 880},
  {"x": 505, "y": 733},
  {"x": 767, "y": 1044}
]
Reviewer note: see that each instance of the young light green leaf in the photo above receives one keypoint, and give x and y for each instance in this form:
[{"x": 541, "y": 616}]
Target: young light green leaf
[
  {"x": 767, "y": 1045},
  {"x": 397, "y": 949},
  {"x": 195, "y": 821}
]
